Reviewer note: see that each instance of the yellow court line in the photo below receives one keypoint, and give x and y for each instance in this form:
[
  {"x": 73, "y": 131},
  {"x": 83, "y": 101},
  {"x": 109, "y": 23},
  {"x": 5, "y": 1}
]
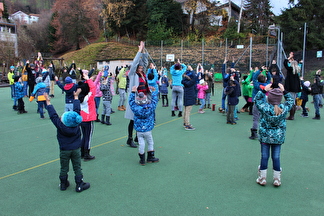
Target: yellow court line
[{"x": 43, "y": 164}]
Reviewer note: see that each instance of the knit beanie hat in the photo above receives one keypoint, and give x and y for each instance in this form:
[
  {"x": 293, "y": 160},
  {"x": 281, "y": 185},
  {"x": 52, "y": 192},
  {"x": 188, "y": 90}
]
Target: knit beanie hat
[
  {"x": 71, "y": 119},
  {"x": 141, "y": 99},
  {"x": 39, "y": 79},
  {"x": 106, "y": 69},
  {"x": 307, "y": 83},
  {"x": 275, "y": 96},
  {"x": 201, "y": 81},
  {"x": 68, "y": 80}
]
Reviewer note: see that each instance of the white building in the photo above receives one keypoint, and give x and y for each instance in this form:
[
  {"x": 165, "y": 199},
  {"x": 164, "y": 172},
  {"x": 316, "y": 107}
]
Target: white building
[
  {"x": 8, "y": 34},
  {"x": 23, "y": 18},
  {"x": 113, "y": 63}
]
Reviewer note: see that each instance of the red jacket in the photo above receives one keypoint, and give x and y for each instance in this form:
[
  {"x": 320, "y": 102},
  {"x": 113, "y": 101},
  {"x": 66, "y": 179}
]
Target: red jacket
[{"x": 88, "y": 106}]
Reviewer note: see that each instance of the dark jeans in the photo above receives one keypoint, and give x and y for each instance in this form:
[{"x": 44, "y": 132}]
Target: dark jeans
[
  {"x": 75, "y": 157},
  {"x": 21, "y": 105},
  {"x": 30, "y": 88},
  {"x": 275, "y": 155},
  {"x": 87, "y": 130},
  {"x": 41, "y": 106},
  {"x": 230, "y": 113},
  {"x": 303, "y": 106}
]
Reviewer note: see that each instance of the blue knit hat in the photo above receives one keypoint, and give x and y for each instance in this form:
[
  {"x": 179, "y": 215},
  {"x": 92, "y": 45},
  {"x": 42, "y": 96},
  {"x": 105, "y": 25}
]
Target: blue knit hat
[
  {"x": 106, "y": 69},
  {"x": 68, "y": 80},
  {"x": 71, "y": 119}
]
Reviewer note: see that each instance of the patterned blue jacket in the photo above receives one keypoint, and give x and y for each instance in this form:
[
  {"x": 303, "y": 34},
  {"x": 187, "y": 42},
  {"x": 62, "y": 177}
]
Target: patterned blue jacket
[
  {"x": 272, "y": 128},
  {"x": 143, "y": 114},
  {"x": 19, "y": 90}
]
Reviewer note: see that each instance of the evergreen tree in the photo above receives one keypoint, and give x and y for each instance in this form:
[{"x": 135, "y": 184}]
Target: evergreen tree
[
  {"x": 292, "y": 21},
  {"x": 258, "y": 13},
  {"x": 165, "y": 19}
]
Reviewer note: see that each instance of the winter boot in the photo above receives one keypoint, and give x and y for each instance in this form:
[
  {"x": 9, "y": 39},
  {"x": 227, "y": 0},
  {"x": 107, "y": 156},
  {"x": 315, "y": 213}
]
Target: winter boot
[
  {"x": 292, "y": 113},
  {"x": 151, "y": 158},
  {"x": 277, "y": 178},
  {"x": 87, "y": 156},
  {"x": 208, "y": 107},
  {"x": 103, "y": 119},
  {"x": 254, "y": 134},
  {"x": 261, "y": 180},
  {"x": 97, "y": 120},
  {"x": 120, "y": 108},
  {"x": 123, "y": 107},
  {"x": 131, "y": 143},
  {"x": 107, "y": 120},
  {"x": 317, "y": 117},
  {"x": 64, "y": 182},
  {"x": 180, "y": 114},
  {"x": 80, "y": 185},
  {"x": 172, "y": 113},
  {"x": 142, "y": 159}
]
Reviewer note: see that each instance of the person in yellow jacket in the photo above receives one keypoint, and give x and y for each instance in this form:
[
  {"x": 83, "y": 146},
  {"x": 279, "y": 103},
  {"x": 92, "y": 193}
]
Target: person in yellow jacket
[
  {"x": 122, "y": 85},
  {"x": 11, "y": 76}
]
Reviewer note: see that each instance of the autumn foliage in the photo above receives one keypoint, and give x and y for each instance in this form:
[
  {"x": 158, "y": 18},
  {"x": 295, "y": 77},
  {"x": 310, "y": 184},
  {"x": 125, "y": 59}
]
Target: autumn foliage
[{"x": 74, "y": 21}]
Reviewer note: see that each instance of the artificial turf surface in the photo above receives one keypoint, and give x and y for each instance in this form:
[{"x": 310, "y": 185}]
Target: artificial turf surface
[{"x": 209, "y": 171}]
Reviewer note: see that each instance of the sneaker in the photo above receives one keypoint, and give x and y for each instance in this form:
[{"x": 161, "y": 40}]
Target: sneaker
[
  {"x": 232, "y": 123},
  {"x": 189, "y": 127},
  {"x": 303, "y": 115},
  {"x": 184, "y": 125}
]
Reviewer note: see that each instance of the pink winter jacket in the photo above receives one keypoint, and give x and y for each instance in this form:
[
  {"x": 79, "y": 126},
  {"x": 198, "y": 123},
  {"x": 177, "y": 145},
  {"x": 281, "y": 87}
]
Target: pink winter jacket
[
  {"x": 201, "y": 91},
  {"x": 97, "y": 84}
]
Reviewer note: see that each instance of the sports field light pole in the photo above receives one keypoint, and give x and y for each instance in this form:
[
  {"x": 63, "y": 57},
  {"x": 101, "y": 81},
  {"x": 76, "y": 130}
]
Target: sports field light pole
[
  {"x": 304, "y": 47},
  {"x": 272, "y": 27},
  {"x": 161, "y": 53},
  {"x": 250, "y": 53}
]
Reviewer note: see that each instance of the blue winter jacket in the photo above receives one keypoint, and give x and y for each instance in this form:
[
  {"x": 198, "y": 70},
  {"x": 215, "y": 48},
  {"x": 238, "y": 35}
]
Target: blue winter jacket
[
  {"x": 189, "y": 90},
  {"x": 272, "y": 128},
  {"x": 225, "y": 75},
  {"x": 164, "y": 84},
  {"x": 69, "y": 90},
  {"x": 69, "y": 138},
  {"x": 257, "y": 85},
  {"x": 19, "y": 90},
  {"x": 143, "y": 114},
  {"x": 39, "y": 90}
]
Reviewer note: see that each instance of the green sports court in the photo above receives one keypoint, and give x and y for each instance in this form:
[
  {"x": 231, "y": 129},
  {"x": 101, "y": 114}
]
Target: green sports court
[{"x": 209, "y": 171}]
